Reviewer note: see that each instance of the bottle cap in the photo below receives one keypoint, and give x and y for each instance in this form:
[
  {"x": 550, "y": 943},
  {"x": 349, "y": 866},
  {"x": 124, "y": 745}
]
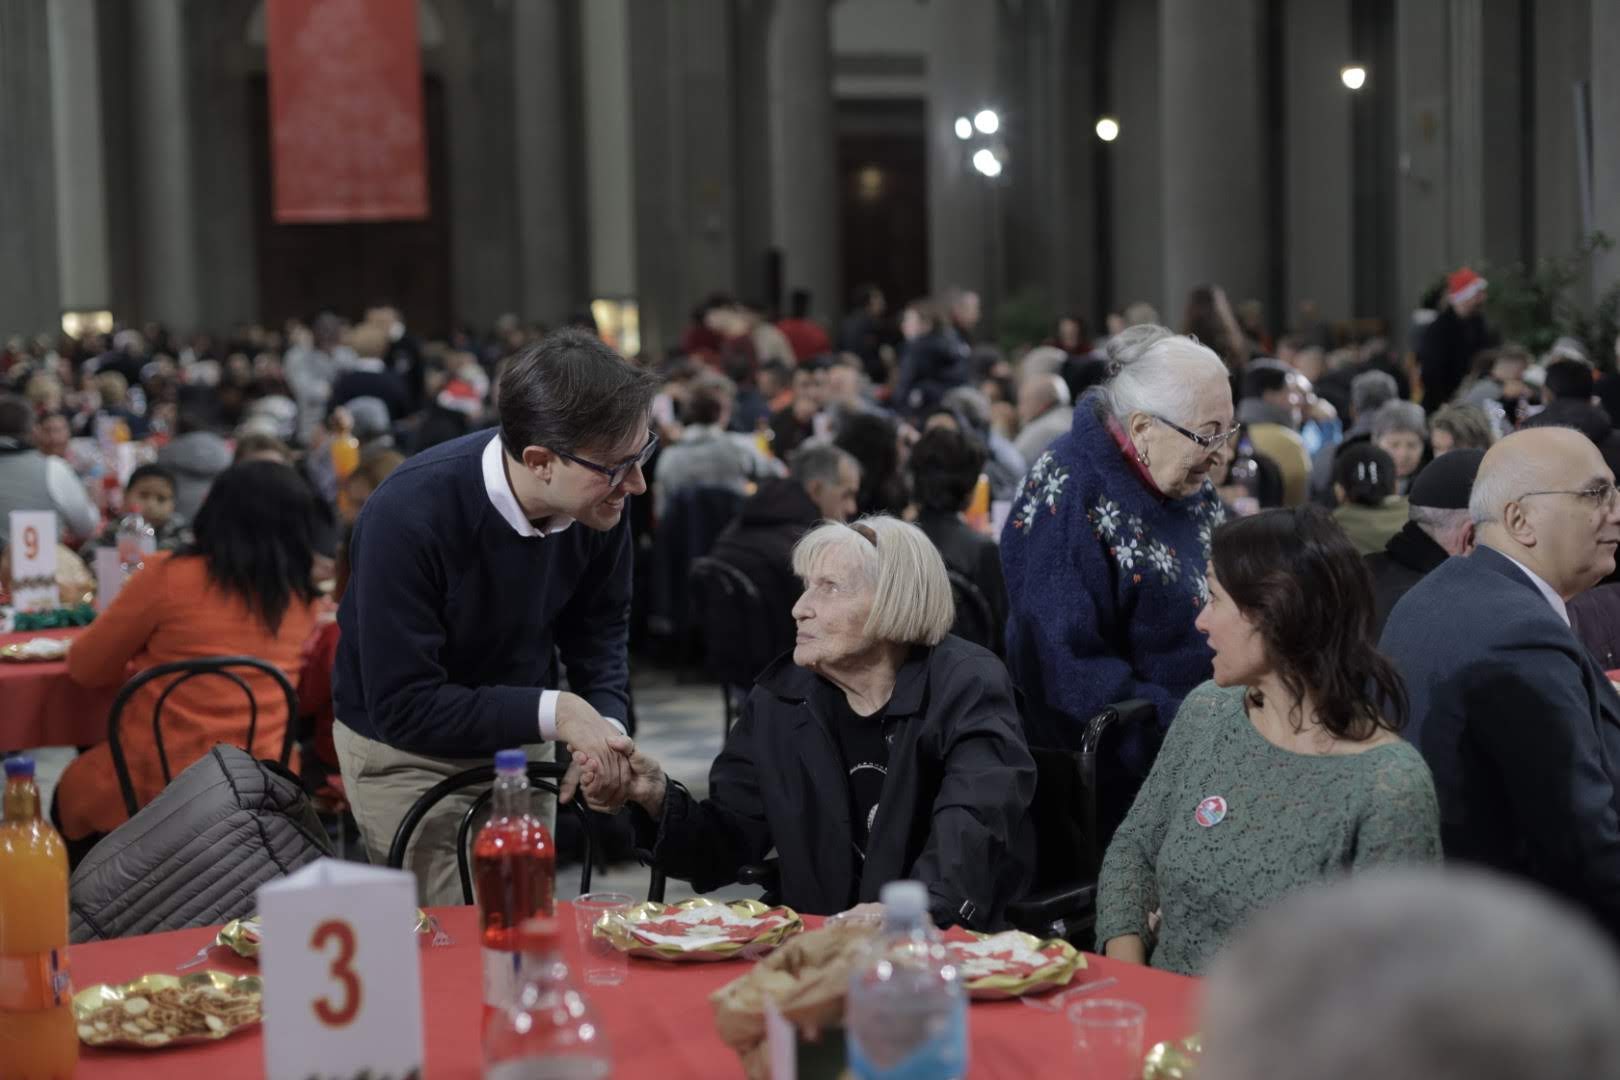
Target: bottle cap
[
  {"x": 905, "y": 899},
  {"x": 511, "y": 761},
  {"x": 19, "y": 765}
]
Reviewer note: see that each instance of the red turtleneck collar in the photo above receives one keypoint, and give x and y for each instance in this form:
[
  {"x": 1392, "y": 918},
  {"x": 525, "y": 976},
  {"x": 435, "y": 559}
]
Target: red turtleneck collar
[{"x": 1123, "y": 441}]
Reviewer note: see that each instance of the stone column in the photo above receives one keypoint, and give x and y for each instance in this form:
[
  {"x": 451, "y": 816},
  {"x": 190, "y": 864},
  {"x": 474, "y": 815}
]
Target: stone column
[
  {"x": 547, "y": 201},
  {"x": 1465, "y": 165},
  {"x": 1563, "y": 59},
  {"x": 81, "y": 178},
  {"x": 1134, "y": 161},
  {"x": 753, "y": 113},
  {"x": 804, "y": 154},
  {"x": 1214, "y": 158},
  {"x": 1316, "y": 142},
  {"x": 30, "y": 296},
  {"x": 165, "y": 196},
  {"x": 1606, "y": 139},
  {"x": 961, "y": 81},
  {"x": 1421, "y": 213},
  {"x": 681, "y": 105}
]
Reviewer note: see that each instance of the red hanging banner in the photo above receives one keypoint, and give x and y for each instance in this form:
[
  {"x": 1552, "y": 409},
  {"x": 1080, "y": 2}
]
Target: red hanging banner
[{"x": 346, "y": 110}]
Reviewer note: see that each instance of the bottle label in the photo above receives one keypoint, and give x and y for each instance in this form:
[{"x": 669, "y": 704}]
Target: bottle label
[
  {"x": 501, "y": 977},
  {"x": 35, "y": 982},
  {"x": 945, "y": 1054}
]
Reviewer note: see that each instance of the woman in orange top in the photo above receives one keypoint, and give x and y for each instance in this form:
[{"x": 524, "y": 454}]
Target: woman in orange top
[{"x": 243, "y": 588}]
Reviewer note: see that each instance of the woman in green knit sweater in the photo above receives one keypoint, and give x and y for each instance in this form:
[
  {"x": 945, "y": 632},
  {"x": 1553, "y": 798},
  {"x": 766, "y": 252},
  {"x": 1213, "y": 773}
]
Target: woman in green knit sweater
[{"x": 1286, "y": 769}]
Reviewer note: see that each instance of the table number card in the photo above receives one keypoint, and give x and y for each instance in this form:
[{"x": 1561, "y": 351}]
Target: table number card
[
  {"x": 33, "y": 560},
  {"x": 342, "y": 975}
]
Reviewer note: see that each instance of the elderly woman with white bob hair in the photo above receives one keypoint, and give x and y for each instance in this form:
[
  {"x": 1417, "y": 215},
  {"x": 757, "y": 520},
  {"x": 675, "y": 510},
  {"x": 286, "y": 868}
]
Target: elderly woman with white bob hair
[
  {"x": 1105, "y": 550},
  {"x": 882, "y": 749}
]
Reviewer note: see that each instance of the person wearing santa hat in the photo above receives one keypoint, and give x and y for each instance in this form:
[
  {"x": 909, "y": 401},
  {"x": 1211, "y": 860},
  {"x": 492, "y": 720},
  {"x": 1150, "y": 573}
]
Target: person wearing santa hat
[{"x": 1453, "y": 338}]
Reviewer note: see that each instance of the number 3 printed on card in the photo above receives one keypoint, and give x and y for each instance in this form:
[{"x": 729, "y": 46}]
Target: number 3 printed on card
[{"x": 325, "y": 1011}]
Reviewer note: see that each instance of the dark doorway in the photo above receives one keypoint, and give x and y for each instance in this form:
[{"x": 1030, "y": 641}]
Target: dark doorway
[
  {"x": 346, "y": 267},
  {"x": 883, "y": 196}
]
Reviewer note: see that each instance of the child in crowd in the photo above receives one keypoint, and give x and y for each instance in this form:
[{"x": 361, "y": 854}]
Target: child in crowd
[{"x": 151, "y": 494}]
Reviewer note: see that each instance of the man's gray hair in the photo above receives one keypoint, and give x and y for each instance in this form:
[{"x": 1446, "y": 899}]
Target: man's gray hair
[
  {"x": 1394, "y": 416},
  {"x": 1153, "y": 370},
  {"x": 1371, "y": 389},
  {"x": 818, "y": 459},
  {"x": 1414, "y": 975},
  {"x": 1443, "y": 526}
]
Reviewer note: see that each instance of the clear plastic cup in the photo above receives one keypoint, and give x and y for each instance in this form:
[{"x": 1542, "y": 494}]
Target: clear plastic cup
[
  {"x": 1108, "y": 1037},
  {"x": 602, "y": 964}
]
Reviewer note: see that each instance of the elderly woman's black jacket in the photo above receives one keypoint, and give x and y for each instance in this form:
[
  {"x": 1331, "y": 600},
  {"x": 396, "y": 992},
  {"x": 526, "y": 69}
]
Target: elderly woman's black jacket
[{"x": 952, "y": 813}]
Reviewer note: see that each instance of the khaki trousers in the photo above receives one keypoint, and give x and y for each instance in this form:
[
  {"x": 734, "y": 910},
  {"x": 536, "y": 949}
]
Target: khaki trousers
[{"x": 382, "y": 782}]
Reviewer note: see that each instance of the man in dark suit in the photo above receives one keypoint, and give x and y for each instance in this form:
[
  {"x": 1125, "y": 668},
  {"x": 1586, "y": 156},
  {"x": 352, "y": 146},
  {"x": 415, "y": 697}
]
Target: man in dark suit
[{"x": 1519, "y": 724}]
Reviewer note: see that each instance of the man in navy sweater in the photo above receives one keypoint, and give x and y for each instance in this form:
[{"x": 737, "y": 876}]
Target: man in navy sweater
[{"x": 475, "y": 567}]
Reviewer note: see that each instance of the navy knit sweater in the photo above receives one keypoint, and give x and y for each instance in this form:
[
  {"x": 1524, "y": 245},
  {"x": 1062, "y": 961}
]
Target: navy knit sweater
[
  {"x": 451, "y": 618},
  {"x": 1104, "y": 579}
]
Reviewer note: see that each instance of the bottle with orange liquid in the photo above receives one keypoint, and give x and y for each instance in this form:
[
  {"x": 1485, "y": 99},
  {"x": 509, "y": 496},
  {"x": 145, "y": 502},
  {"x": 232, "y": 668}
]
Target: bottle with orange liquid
[
  {"x": 38, "y": 1038},
  {"x": 345, "y": 447},
  {"x": 515, "y": 874},
  {"x": 978, "y": 511}
]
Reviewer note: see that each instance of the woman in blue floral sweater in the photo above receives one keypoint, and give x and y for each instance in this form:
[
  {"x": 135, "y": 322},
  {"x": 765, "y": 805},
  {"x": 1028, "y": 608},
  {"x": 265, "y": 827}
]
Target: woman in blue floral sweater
[{"x": 1106, "y": 545}]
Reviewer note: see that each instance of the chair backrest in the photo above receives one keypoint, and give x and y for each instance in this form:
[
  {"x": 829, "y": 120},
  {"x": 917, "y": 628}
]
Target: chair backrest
[
  {"x": 691, "y": 522},
  {"x": 729, "y": 613},
  {"x": 1287, "y": 450},
  {"x": 1072, "y": 827},
  {"x": 1111, "y": 796},
  {"x": 542, "y": 774},
  {"x": 1595, "y": 617},
  {"x": 186, "y": 670},
  {"x": 973, "y": 619}
]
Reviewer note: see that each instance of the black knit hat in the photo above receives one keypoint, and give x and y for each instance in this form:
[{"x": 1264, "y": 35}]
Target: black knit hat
[{"x": 1446, "y": 482}]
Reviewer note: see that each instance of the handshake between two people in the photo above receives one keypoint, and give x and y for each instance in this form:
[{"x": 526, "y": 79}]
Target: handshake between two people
[{"x": 606, "y": 768}]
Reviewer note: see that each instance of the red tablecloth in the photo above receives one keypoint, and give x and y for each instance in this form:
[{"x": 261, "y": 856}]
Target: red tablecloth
[
  {"x": 659, "y": 1021},
  {"x": 41, "y": 706}
]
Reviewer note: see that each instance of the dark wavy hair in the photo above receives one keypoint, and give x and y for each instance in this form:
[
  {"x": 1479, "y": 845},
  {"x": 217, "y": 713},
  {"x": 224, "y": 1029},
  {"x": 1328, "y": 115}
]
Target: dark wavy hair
[
  {"x": 256, "y": 534},
  {"x": 1298, "y": 578},
  {"x": 945, "y": 468}
]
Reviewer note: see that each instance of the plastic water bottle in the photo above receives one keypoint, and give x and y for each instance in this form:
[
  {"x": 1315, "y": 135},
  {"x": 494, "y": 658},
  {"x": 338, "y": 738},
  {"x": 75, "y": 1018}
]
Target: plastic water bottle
[
  {"x": 136, "y": 540},
  {"x": 515, "y": 871},
  {"x": 906, "y": 1014},
  {"x": 547, "y": 1032}
]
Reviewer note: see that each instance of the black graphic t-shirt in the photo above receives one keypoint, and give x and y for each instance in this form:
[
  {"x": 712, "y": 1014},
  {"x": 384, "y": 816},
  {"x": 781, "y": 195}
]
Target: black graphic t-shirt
[{"x": 865, "y": 753}]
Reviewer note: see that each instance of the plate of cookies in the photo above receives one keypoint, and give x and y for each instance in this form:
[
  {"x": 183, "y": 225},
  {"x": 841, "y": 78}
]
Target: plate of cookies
[{"x": 166, "y": 1010}]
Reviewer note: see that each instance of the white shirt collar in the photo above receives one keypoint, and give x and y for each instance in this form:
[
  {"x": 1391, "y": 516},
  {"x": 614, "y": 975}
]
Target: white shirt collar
[
  {"x": 1542, "y": 587},
  {"x": 501, "y": 497}
]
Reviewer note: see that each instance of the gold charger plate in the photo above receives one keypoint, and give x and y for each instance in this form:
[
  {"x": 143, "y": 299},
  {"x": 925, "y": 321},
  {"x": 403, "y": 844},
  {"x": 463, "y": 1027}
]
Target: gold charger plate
[
  {"x": 1173, "y": 1060},
  {"x": 167, "y": 1010},
  {"x": 244, "y": 936},
  {"x": 18, "y": 652},
  {"x": 627, "y": 930},
  {"x": 1062, "y": 961}
]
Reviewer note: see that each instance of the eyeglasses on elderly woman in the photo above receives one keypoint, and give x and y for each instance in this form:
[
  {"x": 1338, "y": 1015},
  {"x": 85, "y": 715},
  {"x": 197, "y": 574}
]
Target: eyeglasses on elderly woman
[{"x": 1207, "y": 442}]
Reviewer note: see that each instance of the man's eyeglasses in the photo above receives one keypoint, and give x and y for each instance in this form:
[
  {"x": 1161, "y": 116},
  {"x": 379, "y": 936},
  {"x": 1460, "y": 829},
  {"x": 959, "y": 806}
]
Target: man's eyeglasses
[
  {"x": 1207, "y": 442},
  {"x": 616, "y": 473},
  {"x": 1601, "y": 495}
]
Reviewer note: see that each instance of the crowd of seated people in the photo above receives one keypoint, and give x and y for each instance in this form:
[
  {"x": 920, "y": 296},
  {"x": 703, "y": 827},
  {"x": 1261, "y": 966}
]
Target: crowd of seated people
[{"x": 1348, "y": 586}]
